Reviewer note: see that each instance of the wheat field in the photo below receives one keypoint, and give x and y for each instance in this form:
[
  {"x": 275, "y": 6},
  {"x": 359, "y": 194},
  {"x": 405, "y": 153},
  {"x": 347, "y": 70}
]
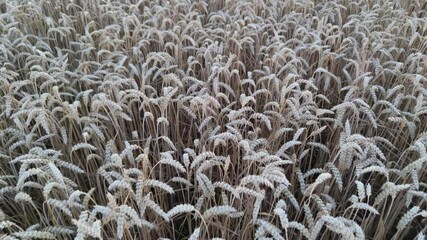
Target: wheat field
[{"x": 220, "y": 119}]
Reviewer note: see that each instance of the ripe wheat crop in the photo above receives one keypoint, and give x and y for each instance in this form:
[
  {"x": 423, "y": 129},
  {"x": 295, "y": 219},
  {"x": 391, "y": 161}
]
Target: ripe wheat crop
[{"x": 219, "y": 119}]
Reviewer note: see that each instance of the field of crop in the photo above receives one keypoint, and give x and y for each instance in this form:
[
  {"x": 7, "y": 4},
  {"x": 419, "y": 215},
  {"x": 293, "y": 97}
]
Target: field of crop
[{"x": 219, "y": 119}]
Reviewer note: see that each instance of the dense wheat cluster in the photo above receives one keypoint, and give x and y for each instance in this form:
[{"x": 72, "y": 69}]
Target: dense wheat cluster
[{"x": 222, "y": 119}]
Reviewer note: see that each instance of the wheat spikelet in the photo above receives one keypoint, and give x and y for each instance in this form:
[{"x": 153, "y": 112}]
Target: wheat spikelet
[
  {"x": 364, "y": 206},
  {"x": 181, "y": 180},
  {"x": 407, "y": 218},
  {"x": 62, "y": 205},
  {"x": 257, "y": 205},
  {"x": 221, "y": 210},
  {"x": 249, "y": 192},
  {"x": 270, "y": 228},
  {"x": 23, "y": 197},
  {"x": 205, "y": 184},
  {"x": 159, "y": 184},
  {"x": 360, "y": 190},
  {"x": 34, "y": 235},
  {"x": 319, "y": 180},
  {"x": 83, "y": 146},
  {"x": 227, "y": 187},
  {"x": 59, "y": 230},
  {"x": 280, "y": 211},
  {"x": 84, "y": 229},
  {"x": 181, "y": 208},
  {"x": 256, "y": 180},
  {"x": 201, "y": 157},
  {"x": 195, "y": 235},
  {"x": 119, "y": 185}
]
